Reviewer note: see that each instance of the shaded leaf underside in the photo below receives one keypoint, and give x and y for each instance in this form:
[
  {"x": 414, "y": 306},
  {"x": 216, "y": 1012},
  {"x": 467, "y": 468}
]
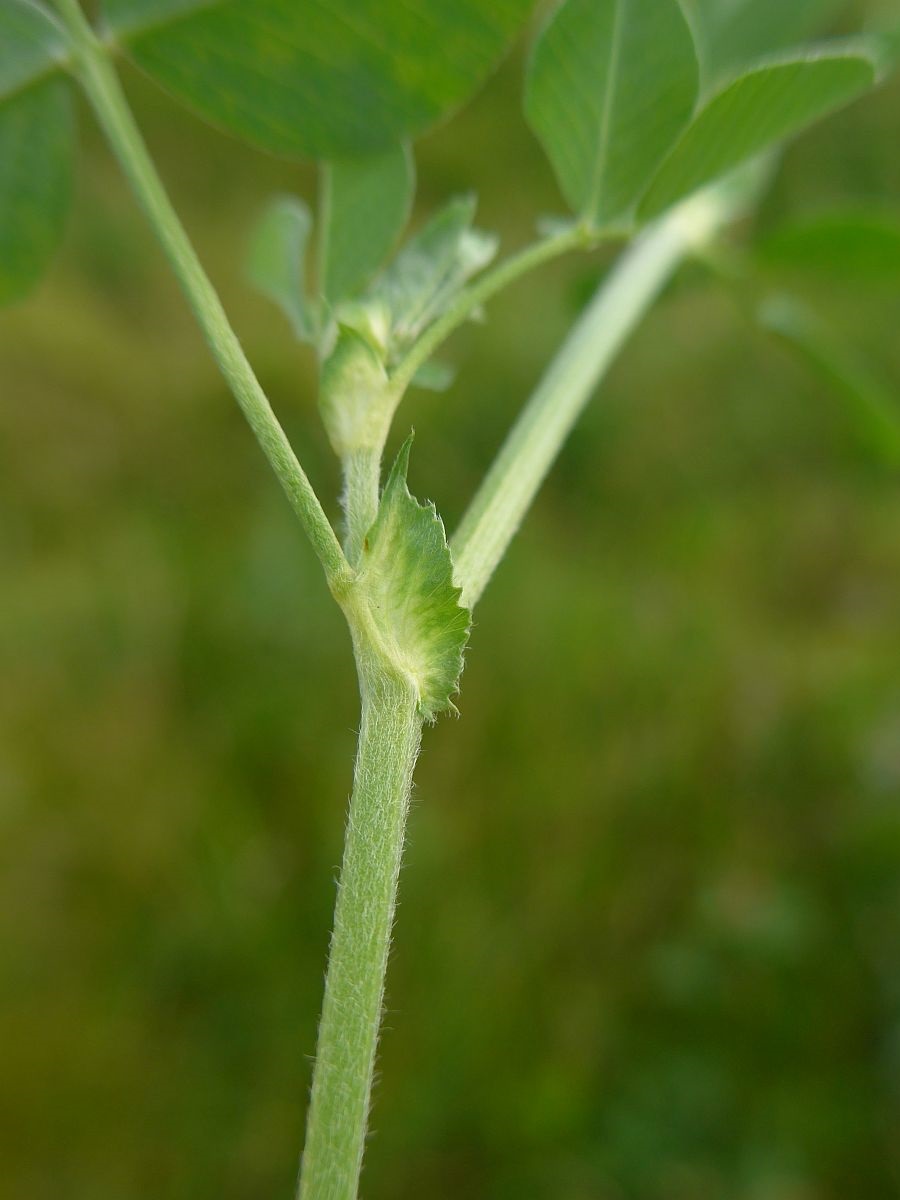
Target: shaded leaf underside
[
  {"x": 318, "y": 78},
  {"x": 369, "y": 205}
]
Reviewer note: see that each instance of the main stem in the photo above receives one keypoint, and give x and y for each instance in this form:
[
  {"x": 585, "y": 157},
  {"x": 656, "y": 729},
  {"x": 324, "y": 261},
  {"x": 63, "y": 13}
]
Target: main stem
[
  {"x": 354, "y": 988},
  {"x": 101, "y": 84}
]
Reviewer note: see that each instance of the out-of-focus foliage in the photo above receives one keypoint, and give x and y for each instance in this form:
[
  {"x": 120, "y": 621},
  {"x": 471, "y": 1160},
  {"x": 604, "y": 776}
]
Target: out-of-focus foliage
[
  {"x": 37, "y": 139},
  {"x": 649, "y": 936},
  {"x": 732, "y": 33},
  {"x": 338, "y": 77}
]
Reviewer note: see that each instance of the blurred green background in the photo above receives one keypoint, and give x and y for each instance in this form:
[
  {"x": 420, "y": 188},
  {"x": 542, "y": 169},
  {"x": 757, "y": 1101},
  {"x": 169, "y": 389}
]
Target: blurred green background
[{"x": 649, "y": 938}]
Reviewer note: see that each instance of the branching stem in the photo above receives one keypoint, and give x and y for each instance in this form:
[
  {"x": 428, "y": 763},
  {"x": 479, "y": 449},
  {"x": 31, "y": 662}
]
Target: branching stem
[{"x": 391, "y": 722}]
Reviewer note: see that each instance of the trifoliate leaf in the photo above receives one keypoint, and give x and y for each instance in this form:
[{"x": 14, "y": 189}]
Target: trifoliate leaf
[
  {"x": 760, "y": 108},
  {"x": 330, "y": 79},
  {"x": 408, "y": 574},
  {"x": 276, "y": 263},
  {"x": 369, "y": 201},
  {"x": 610, "y": 86}
]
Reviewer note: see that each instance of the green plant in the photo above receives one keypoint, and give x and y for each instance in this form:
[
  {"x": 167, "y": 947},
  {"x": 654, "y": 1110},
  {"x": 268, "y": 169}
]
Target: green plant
[{"x": 642, "y": 106}]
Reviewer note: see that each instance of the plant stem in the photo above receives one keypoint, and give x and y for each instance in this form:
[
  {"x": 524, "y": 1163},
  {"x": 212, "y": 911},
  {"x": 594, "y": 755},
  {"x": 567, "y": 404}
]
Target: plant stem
[
  {"x": 533, "y": 443},
  {"x": 101, "y": 84},
  {"x": 362, "y": 477},
  {"x": 354, "y": 987},
  {"x": 574, "y": 237}
]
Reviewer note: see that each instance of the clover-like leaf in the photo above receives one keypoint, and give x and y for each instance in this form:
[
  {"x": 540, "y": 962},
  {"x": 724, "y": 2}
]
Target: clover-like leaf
[
  {"x": 368, "y": 205},
  {"x": 408, "y": 573},
  {"x": 731, "y": 34},
  {"x": 611, "y": 84},
  {"x": 764, "y": 106},
  {"x": 37, "y": 144},
  {"x": 276, "y": 262},
  {"x": 322, "y": 79}
]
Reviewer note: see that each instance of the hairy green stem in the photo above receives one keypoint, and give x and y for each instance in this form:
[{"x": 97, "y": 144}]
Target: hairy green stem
[
  {"x": 354, "y": 988},
  {"x": 491, "y": 521},
  {"x": 362, "y": 477},
  {"x": 100, "y": 82}
]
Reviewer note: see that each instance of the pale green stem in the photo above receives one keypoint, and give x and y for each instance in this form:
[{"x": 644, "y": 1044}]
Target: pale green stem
[
  {"x": 362, "y": 477},
  {"x": 535, "y": 440},
  {"x": 470, "y": 299},
  {"x": 101, "y": 84},
  {"x": 362, "y": 470},
  {"x": 354, "y": 988}
]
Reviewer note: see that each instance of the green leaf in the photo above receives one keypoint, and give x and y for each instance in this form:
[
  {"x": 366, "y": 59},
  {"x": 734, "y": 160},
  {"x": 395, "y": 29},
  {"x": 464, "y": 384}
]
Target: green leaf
[
  {"x": 408, "y": 574},
  {"x": 765, "y": 106},
  {"x": 369, "y": 201},
  {"x": 434, "y": 376},
  {"x": 611, "y": 84},
  {"x": 276, "y": 263},
  {"x": 31, "y": 45},
  {"x": 731, "y": 34},
  {"x": 37, "y": 141},
  {"x": 324, "y": 79},
  {"x": 430, "y": 270},
  {"x": 847, "y": 245},
  {"x": 874, "y": 412}
]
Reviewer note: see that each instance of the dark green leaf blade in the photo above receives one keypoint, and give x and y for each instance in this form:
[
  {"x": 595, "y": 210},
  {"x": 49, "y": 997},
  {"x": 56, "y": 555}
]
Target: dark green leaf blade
[
  {"x": 369, "y": 205},
  {"x": 276, "y": 262},
  {"x": 766, "y": 105},
  {"x": 31, "y": 44},
  {"x": 323, "y": 79},
  {"x": 408, "y": 572},
  {"x": 610, "y": 86},
  {"x": 37, "y": 140}
]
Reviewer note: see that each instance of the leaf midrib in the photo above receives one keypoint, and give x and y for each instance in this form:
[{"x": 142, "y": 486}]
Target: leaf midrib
[{"x": 609, "y": 93}]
